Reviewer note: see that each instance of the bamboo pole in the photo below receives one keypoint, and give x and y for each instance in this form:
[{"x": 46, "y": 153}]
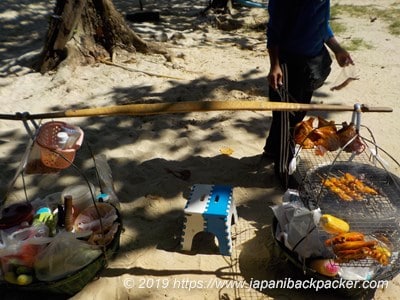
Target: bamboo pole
[{"x": 191, "y": 106}]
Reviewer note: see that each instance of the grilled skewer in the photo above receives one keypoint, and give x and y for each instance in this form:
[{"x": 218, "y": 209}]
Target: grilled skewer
[{"x": 348, "y": 187}]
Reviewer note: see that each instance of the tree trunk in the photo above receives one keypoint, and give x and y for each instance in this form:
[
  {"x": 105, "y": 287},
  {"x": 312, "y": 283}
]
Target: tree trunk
[{"x": 86, "y": 31}]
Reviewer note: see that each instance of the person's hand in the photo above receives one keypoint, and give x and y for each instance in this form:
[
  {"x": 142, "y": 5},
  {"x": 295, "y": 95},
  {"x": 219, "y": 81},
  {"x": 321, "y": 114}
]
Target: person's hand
[
  {"x": 275, "y": 77},
  {"x": 343, "y": 58}
]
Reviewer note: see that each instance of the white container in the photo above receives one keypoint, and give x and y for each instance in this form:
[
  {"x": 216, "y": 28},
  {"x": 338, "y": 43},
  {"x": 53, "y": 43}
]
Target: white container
[
  {"x": 72, "y": 136},
  {"x": 62, "y": 138},
  {"x": 81, "y": 196}
]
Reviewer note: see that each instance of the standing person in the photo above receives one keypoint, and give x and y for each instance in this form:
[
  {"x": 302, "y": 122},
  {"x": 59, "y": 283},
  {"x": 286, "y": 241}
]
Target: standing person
[{"x": 297, "y": 33}]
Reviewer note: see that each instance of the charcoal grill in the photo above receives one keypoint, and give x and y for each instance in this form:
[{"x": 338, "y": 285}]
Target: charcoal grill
[{"x": 377, "y": 216}]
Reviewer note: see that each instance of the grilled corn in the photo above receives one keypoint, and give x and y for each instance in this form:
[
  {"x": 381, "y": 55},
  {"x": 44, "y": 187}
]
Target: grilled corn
[{"x": 333, "y": 224}]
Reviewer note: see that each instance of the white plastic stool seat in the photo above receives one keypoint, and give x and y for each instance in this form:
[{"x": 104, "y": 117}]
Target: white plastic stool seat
[{"x": 210, "y": 208}]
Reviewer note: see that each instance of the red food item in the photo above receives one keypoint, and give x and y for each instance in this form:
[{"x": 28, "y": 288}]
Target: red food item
[
  {"x": 348, "y": 132},
  {"x": 15, "y": 214},
  {"x": 28, "y": 254}
]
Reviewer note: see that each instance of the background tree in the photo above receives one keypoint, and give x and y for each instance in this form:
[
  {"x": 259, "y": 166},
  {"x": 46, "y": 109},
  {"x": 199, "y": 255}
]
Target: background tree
[{"x": 86, "y": 31}]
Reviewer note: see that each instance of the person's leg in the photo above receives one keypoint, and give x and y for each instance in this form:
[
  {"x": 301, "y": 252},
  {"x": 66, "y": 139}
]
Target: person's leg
[
  {"x": 271, "y": 148},
  {"x": 298, "y": 93},
  {"x": 279, "y": 144}
]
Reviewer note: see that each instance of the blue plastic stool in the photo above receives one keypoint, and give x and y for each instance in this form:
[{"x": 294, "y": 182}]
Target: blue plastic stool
[{"x": 210, "y": 208}]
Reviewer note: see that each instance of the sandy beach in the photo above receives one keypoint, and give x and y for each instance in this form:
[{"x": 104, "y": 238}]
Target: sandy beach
[{"x": 147, "y": 154}]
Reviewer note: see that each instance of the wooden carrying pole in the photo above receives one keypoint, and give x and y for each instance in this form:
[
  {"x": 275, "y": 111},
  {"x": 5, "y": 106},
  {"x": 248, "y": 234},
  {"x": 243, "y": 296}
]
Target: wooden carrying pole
[{"x": 192, "y": 106}]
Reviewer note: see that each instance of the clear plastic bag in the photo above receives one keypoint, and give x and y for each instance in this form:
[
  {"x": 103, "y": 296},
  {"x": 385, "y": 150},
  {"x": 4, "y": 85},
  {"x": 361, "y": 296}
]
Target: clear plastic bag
[
  {"x": 89, "y": 220},
  {"x": 346, "y": 75},
  {"x": 106, "y": 179},
  {"x": 63, "y": 256},
  {"x": 13, "y": 243},
  {"x": 100, "y": 220}
]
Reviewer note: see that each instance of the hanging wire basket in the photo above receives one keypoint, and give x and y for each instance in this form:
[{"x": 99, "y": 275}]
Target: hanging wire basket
[
  {"x": 75, "y": 281},
  {"x": 323, "y": 185}
]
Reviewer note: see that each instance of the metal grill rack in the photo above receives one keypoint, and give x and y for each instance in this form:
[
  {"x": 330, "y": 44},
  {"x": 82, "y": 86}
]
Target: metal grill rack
[
  {"x": 386, "y": 233},
  {"x": 377, "y": 216},
  {"x": 383, "y": 206}
]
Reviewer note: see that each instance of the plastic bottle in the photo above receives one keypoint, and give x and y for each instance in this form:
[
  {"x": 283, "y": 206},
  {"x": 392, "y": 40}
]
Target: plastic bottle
[
  {"x": 62, "y": 138},
  {"x": 68, "y": 218},
  {"x": 44, "y": 222},
  {"x": 81, "y": 194},
  {"x": 325, "y": 267}
]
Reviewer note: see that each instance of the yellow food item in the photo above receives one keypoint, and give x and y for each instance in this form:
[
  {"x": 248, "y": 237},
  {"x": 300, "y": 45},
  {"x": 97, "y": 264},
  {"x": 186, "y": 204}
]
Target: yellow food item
[
  {"x": 24, "y": 279},
  {"x": 226, "y": 150},
  {"x": 333, "y": 224},
  {"x": 384, "y": 250}
]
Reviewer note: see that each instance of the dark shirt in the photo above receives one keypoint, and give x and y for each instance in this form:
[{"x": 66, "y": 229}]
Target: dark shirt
[{"x": 299, "y": 27}]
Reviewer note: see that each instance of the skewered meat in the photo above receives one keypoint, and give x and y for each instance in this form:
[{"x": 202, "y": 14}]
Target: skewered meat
[
  {"x": 348, "y": 187},
  {"x": 345, "y": 237},
  {"x": 337, "y": 190},
  {"x": 352, "y": 246},
  {"x": 345, "y": 256},
  {"x": 357, "y": 184}
]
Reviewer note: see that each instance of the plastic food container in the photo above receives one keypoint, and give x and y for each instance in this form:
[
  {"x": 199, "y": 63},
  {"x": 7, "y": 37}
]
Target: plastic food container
[{"x": 47, "y": 139}]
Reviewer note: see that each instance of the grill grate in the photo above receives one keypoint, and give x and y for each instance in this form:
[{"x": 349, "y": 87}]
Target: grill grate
[
  {"x": 377, "y": 216},
  {"x": 378, "y": 207}
]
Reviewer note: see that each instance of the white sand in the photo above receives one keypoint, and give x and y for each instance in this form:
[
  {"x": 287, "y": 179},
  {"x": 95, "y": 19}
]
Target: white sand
[{"x": 211, "y": 64}]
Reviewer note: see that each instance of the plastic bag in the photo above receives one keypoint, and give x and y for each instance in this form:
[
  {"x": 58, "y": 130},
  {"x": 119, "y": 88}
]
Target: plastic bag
[
  {"x": 89, "y": 219},
  {"x": 18, "y": 252},
  {"x": 346, "y": 75},
  {"x": 298, "y": 228},
  {"x": 63, "y": 256},
  {"x": 14, "y": 243},
  {"x": 106, "y": 180}
]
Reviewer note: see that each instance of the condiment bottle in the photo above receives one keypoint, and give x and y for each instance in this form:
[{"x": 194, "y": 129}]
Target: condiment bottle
[{"x": 68, "y": 213}]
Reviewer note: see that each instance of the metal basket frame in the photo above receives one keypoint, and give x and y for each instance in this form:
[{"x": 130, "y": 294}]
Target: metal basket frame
[
  {"x": 370, "y": 216},
  {"x": 73, "y": 283}
]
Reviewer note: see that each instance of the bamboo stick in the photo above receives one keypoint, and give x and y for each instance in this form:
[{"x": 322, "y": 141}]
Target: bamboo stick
[{"x": 191, "y": 106}]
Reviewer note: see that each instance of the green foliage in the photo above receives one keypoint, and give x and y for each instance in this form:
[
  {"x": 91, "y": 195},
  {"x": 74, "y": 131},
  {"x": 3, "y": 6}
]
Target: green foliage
[
  {"x": 389, "y": 15},
  {"x": 356, "y": 44}
]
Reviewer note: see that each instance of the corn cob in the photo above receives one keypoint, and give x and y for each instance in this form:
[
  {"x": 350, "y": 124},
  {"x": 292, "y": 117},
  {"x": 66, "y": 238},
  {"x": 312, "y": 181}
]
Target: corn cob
[{"x": 333, "y": 224}]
